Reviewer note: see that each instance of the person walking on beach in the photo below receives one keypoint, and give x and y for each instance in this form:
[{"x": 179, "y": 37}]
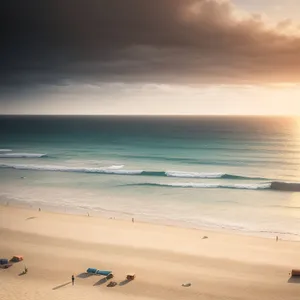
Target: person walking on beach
[
  {"x": 73, "y": 279},
  {"x": 276, "y": 238}
]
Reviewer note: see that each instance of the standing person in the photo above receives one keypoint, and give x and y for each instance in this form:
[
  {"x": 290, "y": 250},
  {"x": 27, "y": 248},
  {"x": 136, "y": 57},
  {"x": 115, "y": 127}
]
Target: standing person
[
  {"x": 132, "y": 220},
  {"x": 276, "y": 238},
  {"x": 73, "y": 279}
]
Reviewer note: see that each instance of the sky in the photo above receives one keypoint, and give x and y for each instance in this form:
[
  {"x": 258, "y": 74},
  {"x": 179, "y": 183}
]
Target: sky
[{"x": 206, "y": 57}]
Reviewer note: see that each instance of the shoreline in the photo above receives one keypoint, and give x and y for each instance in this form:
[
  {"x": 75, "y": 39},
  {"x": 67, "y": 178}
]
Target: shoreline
[
  {"x": 201, "y": 234},
  {"x": 126, "y": 217}
]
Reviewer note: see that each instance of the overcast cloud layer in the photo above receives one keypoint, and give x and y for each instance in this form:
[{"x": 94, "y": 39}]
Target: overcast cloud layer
[{"x": 170, "y": 41}]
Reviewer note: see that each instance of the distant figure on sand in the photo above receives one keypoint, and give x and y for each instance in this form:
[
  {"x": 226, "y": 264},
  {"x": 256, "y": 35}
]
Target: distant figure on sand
[
  {"x": 132, "y": 220},
  {"x": 276, "y": 238},
  {"x": 39, "y": 209},
  {"x": 73, "y": 279}
]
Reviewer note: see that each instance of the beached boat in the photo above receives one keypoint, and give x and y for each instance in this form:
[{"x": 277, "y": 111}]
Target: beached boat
[{"x": 98, "y": 272}]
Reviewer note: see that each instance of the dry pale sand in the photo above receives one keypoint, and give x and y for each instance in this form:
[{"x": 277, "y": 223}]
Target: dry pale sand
[{"x": 224, "y": 266}]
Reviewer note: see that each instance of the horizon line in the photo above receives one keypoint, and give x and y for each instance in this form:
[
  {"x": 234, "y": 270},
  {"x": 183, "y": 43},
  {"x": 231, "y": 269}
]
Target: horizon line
[{"x": 154, "y": 115}]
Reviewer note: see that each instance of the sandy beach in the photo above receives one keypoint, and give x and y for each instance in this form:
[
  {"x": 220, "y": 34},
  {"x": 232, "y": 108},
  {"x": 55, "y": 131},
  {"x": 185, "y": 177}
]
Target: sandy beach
[{"x": 222, "y": 266}]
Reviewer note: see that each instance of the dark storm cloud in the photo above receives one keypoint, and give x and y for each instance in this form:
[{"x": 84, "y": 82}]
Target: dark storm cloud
[{"x": 194, "y": 41}]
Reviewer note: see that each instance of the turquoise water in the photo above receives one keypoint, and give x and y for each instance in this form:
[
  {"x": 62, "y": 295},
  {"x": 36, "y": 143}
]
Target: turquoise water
[{"x": 232, "y": 173}]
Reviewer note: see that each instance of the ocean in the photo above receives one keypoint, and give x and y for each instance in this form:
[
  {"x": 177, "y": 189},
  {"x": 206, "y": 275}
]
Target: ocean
[{"x": 235, "y": 173}]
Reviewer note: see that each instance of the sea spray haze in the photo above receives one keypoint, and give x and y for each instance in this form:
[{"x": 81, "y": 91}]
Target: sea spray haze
[{"x": 187, "y": 171}]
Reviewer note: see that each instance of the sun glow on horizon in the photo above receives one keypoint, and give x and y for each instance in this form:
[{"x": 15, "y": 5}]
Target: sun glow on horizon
[{"x": 158, "y": 99}]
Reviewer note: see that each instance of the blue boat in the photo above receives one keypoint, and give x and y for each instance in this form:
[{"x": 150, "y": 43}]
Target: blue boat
[
  {"x": 98, "y": 272},
  {"x": 104, "y": 273},
  {"x": 91, "y": 270}
]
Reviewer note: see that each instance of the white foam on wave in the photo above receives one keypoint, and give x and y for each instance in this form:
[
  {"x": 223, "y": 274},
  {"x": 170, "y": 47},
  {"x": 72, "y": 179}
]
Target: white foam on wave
[
  {"x": 114, "y": 169},
  {"x": 22, "y": 155},
  {"x": 123, "y": 172},
  {"x": 193, "y": 174},
  {"x": 5, "y": 150},
  {"x": 258, "y": 186}
]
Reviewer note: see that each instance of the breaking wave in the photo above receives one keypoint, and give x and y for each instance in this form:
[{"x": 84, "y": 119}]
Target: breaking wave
[
  {"x": 275, "y": 185},
  {"x": 258, "y": 186},
  {"x": 213, "y": 175},
  {"x": 209, "y": 175},
  {"x": 115, "y": 170},
  {"x": 268, "y": 184}
]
